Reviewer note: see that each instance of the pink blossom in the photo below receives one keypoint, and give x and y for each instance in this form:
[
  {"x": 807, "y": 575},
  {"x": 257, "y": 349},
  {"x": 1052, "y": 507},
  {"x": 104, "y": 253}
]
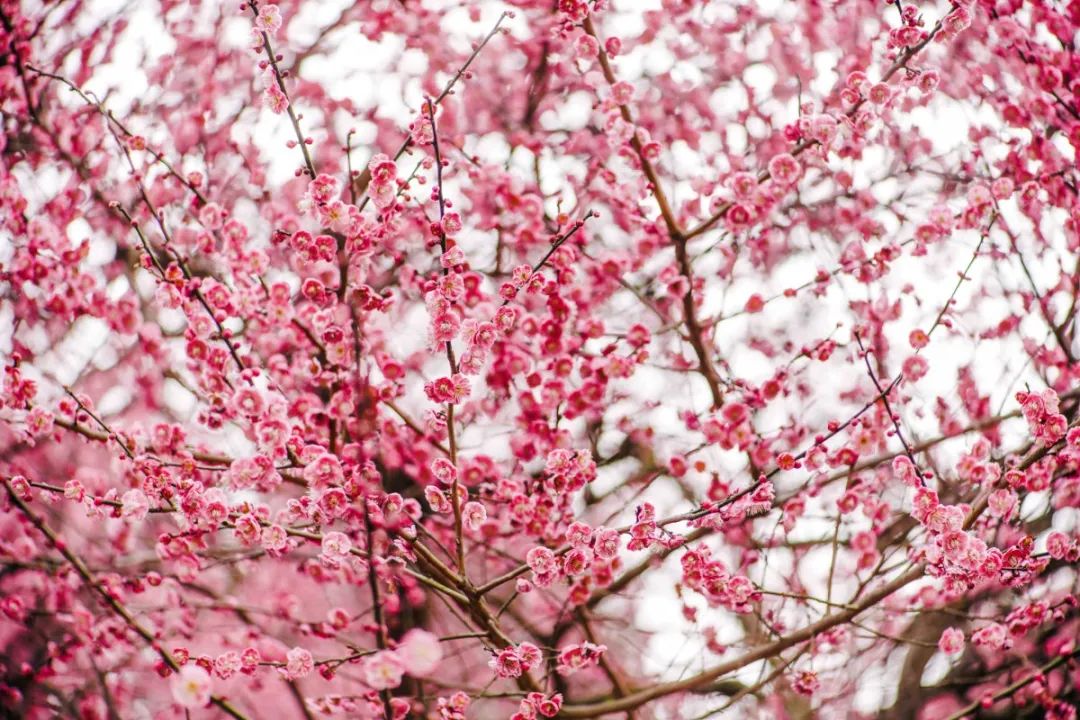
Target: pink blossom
[
  {"x": 951, "y": 641},
  {"x": 784, "y": 169},
  {"x": 529, "y": 654},
  {"x": 1002, "y": 503},
  {"x": 191, "y": 687},
  {"x": 993, "y": 635},
  {"x": 247, "y": 529},
  {"x": 383, "y": 670},
  {"x": 437, "y": 499},
  {"x": 336, "y": 546},
  {"x": 135, "y": 505},
  {"x": 324, "y": 471},
  {"x": 451, "y": 224},
  {"x": 448, "y": 389},
  {"x": 574, "y": 658},
  {"x": 275, "y": 99},
  {"x": 268, "y": 19},
  {"x": 1057, "y": 544},
  {"x": 646, "y": 316},
  {"x": 507, "y": 664},
  {"x": 915, "y": 367},
  {"x": 540, "y": 559},
  {"x": 806, "y": 683},
  {"x": 39, "y": 422},
  {"x": 823, "y": 128},
  {"x": 473, "y": 515},
  {"x": 227, "y": 664},
  {"x": 299, "y": 663},
  {"x": 420, "y": 652},
  {"x": 607, "y": 544},
  {"x": 444, "y": 471}
]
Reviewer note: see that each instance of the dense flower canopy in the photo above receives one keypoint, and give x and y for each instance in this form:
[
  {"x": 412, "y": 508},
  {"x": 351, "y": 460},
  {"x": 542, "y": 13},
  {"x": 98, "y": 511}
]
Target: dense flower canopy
[{"x": 518, "y": 359}]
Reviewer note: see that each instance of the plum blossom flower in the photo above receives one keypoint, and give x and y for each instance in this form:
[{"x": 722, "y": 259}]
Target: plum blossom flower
[
  {"x": 806, "y": 683},
  {"x": 823, "y": 128},
  {"x": 324, "y": 471},
  {"x": 227, "y": 664},
  {"x": 247, "y": 529},
  {"x": 473, "y": 515},
  {"x": 437, "y": 499},
  {"x": 383, "y": 670},
  {"x": 383, "y": 170},
  {"x": 993, "y": 635},
  {"x": 249, "y": 661},
  {"x": 336, "y": 546},
  {"x": 574, "y": 658},
  {"x": 507, "y": 664},
  {"x": 444, "y": 471},
  {"x": 530, "y": 655},
  {"x": 915, "y": 367},
  {"x": 550, "y": 706},
  {"x": 1002, "y": 503},
  {"x": 211, "y": 216},
  {"x": 586, "y": 47},
  {"x": 191, "y": 687},
  {"x": 299, "y": 663},
  {"x": 1057, "y": 544},
  {"x": 537, "y": 704},
  {"x": 606, "y": 544},
  {"x": 951, "y": 641},
  {"x": 540, "y": 559},
  {"x": 420, "y": 129},
  {"x": 451, "y": 224},
  {"x": 134, "y": 505},
  {"x": 420, "y": 652},
  {"x": 622, "y": 92},
  {"x": 577, "y": 561},
  {"x": 784, "y": 169},
  {"x": 275, "y": 99},
  {"x": 39, "y": 422},
  {"x": 268, "y": 20},
  {"x": 448, "y": 389},
  {"x": 274, "y": 537},
  {"x": 957, "y": 21}
]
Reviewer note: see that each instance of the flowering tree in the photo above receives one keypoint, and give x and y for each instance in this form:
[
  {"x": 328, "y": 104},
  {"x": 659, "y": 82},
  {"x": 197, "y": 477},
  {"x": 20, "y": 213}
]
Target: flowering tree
[{"x": 517, "y": 359}]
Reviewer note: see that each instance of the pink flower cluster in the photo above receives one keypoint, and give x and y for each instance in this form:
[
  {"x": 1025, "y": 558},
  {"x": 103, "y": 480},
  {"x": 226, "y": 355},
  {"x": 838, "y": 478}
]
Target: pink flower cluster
[
  {"x": 574, "y": 658},
  {"x": 1041, "y": 410},
  {"x": 538, "y": 705},
  {"x": 708, "y": 576},
  {"x": 511, "y": 662}
]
